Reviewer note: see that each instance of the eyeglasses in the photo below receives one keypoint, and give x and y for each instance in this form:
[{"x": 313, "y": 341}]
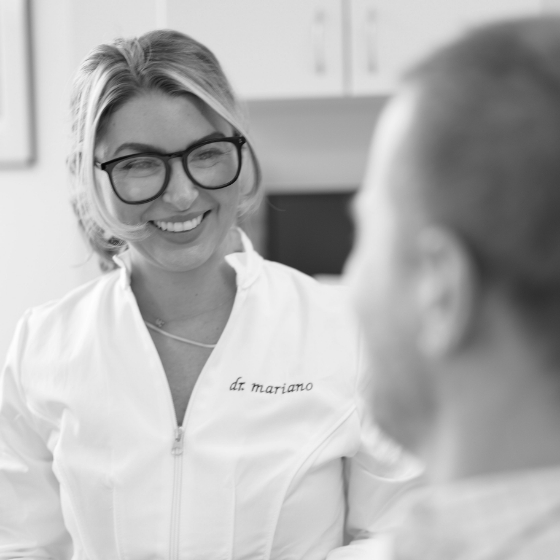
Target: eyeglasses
[{"x": 210, "y": 164}]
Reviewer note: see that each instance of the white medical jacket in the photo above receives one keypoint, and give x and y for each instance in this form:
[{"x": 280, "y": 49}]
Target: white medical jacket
[{"x": 276, "y": 454}]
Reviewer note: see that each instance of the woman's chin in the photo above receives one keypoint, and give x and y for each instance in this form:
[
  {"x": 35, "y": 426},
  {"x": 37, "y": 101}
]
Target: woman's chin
[{"x": 173, "y": 255}]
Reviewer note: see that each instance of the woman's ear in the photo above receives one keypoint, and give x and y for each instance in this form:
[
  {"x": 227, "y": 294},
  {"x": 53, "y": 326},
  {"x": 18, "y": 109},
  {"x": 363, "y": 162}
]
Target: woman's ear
[{"x": 446, "y": 291}]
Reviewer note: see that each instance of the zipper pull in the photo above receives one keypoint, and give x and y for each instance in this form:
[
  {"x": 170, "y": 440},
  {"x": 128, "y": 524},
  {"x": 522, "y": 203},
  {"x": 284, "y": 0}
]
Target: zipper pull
[{"x": 177, "y": 448}]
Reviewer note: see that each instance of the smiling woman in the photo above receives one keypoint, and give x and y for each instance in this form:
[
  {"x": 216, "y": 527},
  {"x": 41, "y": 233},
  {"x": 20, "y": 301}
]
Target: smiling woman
[{"x": 121, "y": 431}]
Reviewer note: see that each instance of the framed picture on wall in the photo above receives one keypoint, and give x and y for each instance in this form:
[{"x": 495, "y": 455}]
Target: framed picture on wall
[{"x": 16, "y": 141}]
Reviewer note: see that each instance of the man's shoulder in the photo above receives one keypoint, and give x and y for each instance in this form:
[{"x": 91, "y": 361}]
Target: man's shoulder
[{"x": 510, "y": 515}]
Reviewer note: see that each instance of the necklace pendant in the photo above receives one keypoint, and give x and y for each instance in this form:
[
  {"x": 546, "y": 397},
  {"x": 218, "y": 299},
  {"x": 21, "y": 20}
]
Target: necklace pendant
[{"x": 159, "y": 323}]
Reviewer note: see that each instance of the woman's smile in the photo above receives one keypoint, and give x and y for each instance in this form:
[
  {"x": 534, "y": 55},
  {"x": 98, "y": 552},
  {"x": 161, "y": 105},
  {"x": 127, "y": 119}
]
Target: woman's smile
[{"x": 177, "y": 226}]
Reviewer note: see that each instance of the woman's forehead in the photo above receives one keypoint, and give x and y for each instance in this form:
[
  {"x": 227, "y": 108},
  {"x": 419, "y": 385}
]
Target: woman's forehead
[{"x": 164, "y": 122}]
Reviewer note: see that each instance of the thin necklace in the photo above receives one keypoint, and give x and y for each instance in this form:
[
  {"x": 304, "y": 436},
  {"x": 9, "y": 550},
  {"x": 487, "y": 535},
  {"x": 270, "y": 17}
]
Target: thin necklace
[
  {"x": 159, "y": 324},
  {"x": 175, "y": 337}
]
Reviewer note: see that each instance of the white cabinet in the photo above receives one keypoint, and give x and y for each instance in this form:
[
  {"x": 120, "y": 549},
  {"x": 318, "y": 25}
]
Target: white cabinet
[
  {"x": 387, "y": 36},
  {"x": 475, "y": 12},
  {"x": 327, "y": 48},
  {"x": 269, "y": 48}
]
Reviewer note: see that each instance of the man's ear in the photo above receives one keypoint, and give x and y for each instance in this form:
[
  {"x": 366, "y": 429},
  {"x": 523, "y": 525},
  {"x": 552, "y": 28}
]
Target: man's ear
[{"x": 446, "y": 292}]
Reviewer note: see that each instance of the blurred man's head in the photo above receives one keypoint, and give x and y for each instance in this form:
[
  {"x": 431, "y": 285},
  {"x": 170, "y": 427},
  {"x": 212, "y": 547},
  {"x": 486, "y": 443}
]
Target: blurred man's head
[{"x": 457, "y": 260}]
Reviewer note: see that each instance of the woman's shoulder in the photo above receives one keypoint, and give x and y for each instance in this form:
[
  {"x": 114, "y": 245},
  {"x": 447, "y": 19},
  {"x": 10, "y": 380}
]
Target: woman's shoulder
[
  {"x": 295, "y": 297},
  {"x": 315, "y": 321},
  {"x": 48, "y": 331},
  {"x": 75, "y": 304},
  {"x": 288, "y": 280}
]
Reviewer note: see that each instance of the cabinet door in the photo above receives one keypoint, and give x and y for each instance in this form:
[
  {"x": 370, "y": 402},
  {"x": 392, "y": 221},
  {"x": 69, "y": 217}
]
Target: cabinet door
[
  {"x": 387, "y": 36},
  {"x": 269, "y": 48},
  {"x": 477, "y": 12}
]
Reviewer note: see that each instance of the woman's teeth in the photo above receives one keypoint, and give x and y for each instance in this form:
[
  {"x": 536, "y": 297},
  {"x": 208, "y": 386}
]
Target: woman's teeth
[{"x": 179, "y": 226}]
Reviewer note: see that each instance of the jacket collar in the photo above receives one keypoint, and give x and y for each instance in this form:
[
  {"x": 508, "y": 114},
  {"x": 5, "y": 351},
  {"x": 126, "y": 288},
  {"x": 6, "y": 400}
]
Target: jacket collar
[{"x": 247, "y": 264}]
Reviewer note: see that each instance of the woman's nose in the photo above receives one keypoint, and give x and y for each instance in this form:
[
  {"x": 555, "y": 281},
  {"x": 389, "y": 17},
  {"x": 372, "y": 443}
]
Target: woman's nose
[{"x": 181, "y": 192}]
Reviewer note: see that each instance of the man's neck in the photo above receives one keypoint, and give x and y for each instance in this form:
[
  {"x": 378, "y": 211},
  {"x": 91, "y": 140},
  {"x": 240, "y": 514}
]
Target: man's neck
[{"x": 506, "y": 428}]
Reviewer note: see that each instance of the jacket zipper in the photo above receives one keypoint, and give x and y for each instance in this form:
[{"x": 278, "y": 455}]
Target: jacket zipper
[{"x": 177, "y": 452}]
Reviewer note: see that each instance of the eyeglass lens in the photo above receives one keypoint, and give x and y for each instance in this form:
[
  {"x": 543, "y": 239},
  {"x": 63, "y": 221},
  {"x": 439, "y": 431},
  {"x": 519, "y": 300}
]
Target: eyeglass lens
[{"x": 211, "y": 165}]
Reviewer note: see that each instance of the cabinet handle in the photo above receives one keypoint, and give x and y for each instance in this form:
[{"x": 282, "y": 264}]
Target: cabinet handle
[
  {"x": 319, "y": 42},
  {"x": 371, "y": 42}
]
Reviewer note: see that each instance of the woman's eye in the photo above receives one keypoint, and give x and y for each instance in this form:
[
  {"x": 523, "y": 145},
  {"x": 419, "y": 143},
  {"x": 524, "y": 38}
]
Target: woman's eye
[
  {"x": 211, "y": 153},
  {"x": 138, "y": 167},
  {"x": 208, "y": 154},
  {"x": 141, "y": 163}
]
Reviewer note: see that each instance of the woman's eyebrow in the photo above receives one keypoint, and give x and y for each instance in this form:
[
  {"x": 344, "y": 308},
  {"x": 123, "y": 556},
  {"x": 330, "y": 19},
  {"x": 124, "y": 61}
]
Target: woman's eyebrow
[{"x": 139, "y": 147}]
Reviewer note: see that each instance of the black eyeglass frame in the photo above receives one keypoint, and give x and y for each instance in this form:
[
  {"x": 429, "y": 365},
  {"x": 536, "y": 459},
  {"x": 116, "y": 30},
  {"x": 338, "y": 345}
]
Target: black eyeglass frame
[{"x": 107, "y": 166}]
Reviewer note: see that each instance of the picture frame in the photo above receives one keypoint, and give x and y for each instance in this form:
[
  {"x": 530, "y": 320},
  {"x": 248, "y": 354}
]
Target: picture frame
[{"x": 16, "y": 140}]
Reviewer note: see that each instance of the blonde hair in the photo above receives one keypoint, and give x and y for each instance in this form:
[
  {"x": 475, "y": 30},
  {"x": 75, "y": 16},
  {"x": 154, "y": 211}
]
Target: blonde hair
[{"x": 112, "y": 74}]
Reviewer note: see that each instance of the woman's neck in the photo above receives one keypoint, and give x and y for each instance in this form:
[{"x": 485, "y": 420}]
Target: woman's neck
[{"x": 178, "y": 296}]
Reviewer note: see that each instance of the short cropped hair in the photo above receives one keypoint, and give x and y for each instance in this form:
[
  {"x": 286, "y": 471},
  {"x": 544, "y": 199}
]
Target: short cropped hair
[
  {"x": 112, "y": 74},
  {"x": 487, "y": 147}
]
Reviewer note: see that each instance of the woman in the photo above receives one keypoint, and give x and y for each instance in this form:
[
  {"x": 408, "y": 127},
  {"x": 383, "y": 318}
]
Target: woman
[{"x": 195, "y": 402}]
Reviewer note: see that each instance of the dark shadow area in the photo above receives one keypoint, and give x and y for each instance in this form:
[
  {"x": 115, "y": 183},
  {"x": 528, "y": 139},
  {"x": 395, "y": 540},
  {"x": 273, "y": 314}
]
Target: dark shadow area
[{"x": 312, "y": 232}]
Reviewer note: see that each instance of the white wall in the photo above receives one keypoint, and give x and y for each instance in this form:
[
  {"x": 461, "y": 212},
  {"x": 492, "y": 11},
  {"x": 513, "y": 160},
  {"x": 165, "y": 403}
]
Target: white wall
[
  {"x": 40, "y": 248},
  {"x": 313, "y": 144}
]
